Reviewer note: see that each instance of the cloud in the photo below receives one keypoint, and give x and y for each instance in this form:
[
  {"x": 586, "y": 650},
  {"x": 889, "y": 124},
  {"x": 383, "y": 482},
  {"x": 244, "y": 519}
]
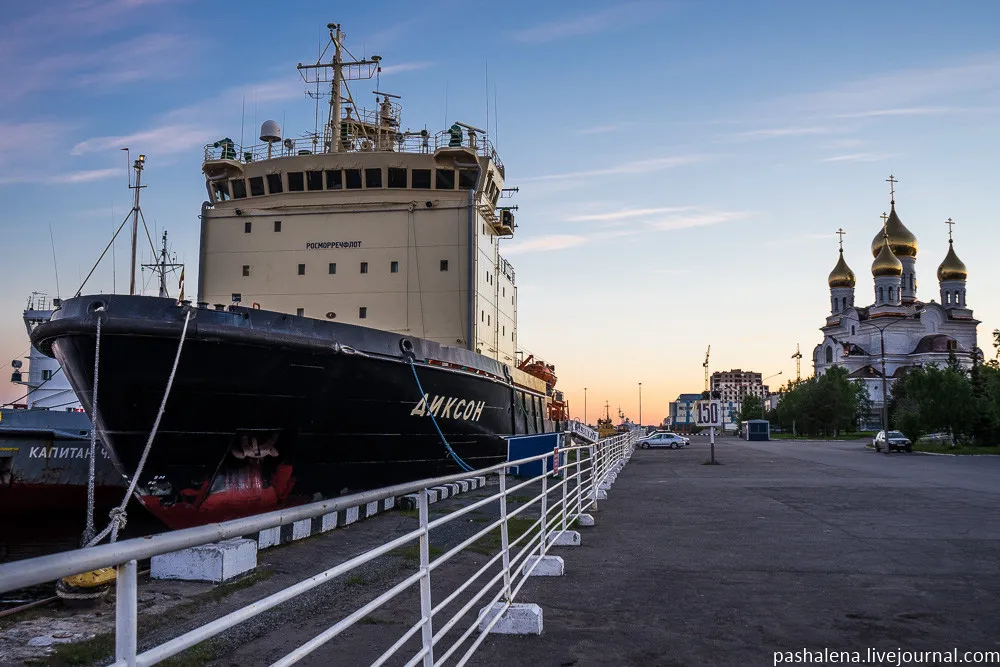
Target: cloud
[
  {"x": 83, "y": 176},
  {"x": 161, "y": 140},
  {"x": 586, "y": 24},
  {"x": 792, "y": 131},
  {"x": 635, "y": 167},
  {"x": 544, "y": 243},
  {"x": 703, "y": 219},
  {"x": 405, "y": 67},
  {"x": 908, "y": 111},
  {"x": 627, "y": 213},
  {"x": 603, "y": 129},
  {"x": 860, "y": 157}
]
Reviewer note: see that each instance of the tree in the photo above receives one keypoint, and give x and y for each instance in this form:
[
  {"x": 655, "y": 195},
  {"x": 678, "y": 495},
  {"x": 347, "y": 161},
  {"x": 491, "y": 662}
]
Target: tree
[
  {"x": 824, "y": 405},
  {"x": 752, "y": 407}
]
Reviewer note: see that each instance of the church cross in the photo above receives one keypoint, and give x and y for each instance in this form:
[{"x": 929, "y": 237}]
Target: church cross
[
  {"x": 885, "y": 220},
  {"x": 840, "y": 233},
  {"x": 892, "y": 187},
  {"x": 950, "y": 224}
]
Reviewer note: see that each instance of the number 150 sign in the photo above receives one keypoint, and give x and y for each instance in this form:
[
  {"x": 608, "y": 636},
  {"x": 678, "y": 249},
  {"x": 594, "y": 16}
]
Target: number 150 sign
[{"x": 708, "y": 413}]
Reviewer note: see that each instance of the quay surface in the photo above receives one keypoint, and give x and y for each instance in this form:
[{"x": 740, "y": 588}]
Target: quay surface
[{"x": 788, "y": 545}]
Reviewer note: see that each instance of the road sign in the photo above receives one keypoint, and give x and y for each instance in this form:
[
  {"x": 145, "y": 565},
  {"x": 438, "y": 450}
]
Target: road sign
[{"x": 708, "y": 413}]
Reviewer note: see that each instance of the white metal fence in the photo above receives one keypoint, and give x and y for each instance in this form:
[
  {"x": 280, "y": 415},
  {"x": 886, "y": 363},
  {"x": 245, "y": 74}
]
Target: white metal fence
[{"x": 570, "y": 481}]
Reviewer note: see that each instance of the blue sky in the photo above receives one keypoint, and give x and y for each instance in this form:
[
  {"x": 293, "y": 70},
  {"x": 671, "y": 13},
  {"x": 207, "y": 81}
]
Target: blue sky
[{"x": 683, "y": 166}]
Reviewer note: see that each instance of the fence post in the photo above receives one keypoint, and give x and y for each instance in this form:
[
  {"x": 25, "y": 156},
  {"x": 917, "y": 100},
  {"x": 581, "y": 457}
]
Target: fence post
[
  {"x": 504, "y": 543},
  {"x": 565, "y": 496},
  {"x": 126, "y": 624},
  {"x": 545, "y": 505},
  {"x": 427, "y": 631},
  {"x": 579, "y": 481}
]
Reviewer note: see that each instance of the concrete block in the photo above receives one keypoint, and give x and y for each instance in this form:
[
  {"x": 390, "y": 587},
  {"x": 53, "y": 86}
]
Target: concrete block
[
  {"x": 216, "y": 562},
  {"x": 349, "y": 516},
  {"x": 602, "y": 494},
  {"x": 328, "y": 522},
  {"x": 301, "y": 529},
  {"x": 269, "y": 537},
  {"x": 432, "y": 495},
  {"x": 585, "y": 520},
  {"x": 389, "y": 503},
  {"x": 547, "y": 566},
  {"x": 371, "y": 509},
  {"x": 567, "y": 538},
  {"x": 519, "y": 618},
  {"x": 409, "y": 502},
  {"x": 480, "y": 481},
  {"x": 453, "y": 488},
  {"x": 442, "y": 491},
  {"x": 464, "y": 484}
]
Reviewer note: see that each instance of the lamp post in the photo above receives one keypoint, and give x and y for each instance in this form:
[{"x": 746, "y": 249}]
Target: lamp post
[
  {"x": 762, "y": 412},
  {"x": 881, "y": 336},
  {"x": 640, "y": 405},
  {"x": 585, "y": 406}
]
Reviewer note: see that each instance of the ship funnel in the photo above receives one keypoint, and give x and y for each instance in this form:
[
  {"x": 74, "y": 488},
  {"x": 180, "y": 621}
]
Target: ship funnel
[{"x": 270, "y": 131}]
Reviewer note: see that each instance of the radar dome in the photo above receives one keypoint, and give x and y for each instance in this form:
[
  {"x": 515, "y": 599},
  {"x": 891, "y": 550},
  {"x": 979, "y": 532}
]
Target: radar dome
[{"x": 270, "y": 131}]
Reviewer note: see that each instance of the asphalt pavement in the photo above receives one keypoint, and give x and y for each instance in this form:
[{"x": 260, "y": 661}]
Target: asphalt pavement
[{"x": 788, "y": 545}]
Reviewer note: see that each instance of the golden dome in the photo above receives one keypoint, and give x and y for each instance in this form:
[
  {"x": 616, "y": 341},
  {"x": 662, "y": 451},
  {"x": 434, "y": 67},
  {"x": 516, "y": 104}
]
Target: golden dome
[
  {"x": 952, "y": 267},
  {"x": 902, "y": 242},
  {"x": 841, "y": 276},
  {"x": 886, "y": 263}
]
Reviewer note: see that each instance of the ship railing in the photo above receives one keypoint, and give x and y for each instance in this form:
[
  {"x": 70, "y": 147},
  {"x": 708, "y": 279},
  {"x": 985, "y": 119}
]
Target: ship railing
[
  {"x": 507, "y": 269},
  {"x": 570, "y": 481},
  {"x": 377, "y": 140}
]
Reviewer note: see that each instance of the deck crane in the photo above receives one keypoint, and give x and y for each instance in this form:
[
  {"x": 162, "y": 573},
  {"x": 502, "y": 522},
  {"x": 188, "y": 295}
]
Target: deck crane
[
  {"x": 705, "y": 365},
  {"x": 798, "y": 363}
]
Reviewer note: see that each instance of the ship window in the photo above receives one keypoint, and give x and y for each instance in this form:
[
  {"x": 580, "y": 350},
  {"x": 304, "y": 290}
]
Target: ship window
[
  {"x": 296, "y": 181},
  {"x": 277, "y": 225},
  {"x": 246, "y": 270},
  {"x": 302, "y": 269},
  {"x": 373, "y": 178},
  {"x": 46, "y": 375},
  {"x": 221, "y": 191},
  {"x": 363, "y": 312},
  {"x": 352, "y": 179},
  {"x": 393, "y": 267},
  {"x": 314, "y": 180},
  {"x": 247, "y": 226},
  {"x": 333, "y": 268},
  {"x": 274, "y": 183},
  {"x": 397, "y": 177},
  {"x": 334, "y": 179},
  {"x": 482, "y": 315},
  {"x": 257, "y": 186},
  {"x": 489, "y": 321},
  {"x": 445, "y": 179},
  {"x": 300, "y": 312},
  {"x": 467, "y": 179},
  {"x": 364, "y": 267},
  {"x": 444, "y": 265},
  {"x": 239, "y": 188},
  {"x": 422, "y": 179}
]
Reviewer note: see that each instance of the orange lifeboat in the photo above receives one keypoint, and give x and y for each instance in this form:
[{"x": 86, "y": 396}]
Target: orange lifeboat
[{"x": 558, "y": 407}]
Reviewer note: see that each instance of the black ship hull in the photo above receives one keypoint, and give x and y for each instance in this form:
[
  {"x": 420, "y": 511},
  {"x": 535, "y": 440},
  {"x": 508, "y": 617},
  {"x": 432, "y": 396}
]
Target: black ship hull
[{"x": 269, "y": 409}]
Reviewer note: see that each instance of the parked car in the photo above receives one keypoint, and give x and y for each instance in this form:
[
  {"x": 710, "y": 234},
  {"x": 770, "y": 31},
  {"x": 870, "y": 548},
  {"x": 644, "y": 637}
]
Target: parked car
[
  {"x": 664, "y": 439},
  {"x": 895, "y": 441}
]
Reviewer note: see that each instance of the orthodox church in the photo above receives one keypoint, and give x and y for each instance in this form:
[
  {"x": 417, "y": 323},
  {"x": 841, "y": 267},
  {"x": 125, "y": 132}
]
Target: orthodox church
[{"x": 898, "y": 330}]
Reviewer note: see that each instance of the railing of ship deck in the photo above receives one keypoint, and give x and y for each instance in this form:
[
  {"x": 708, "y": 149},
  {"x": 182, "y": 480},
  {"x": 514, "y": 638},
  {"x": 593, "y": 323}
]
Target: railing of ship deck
[{"x": 568, "y": 485}]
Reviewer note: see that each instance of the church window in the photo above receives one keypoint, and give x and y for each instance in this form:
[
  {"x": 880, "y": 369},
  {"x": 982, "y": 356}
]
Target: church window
[
  {"x": 829, "y": 354},
  {"x": 955, "y": 299},
  {"x": 843, "y": 303},
  {"x": 911, "y": 281},
  {"x": 881, "y": 298},
  {"x": 852, "y": 329}
]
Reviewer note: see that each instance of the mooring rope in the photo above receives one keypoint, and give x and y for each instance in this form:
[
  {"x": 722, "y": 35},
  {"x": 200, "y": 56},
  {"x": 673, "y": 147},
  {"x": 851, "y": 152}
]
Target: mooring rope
[
  {"x": 118, "y": 515},
  {"x": 461, "y": 464},
  {"x": 88, "y": 531}
]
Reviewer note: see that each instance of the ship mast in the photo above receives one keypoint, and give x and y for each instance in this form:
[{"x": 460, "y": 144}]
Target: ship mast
[
  {"x": 162, "y": 266},
  {"x": 137, "y": 165}
]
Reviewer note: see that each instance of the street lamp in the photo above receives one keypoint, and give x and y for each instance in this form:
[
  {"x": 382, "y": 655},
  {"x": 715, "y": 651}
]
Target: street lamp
[
  {"x": 585, "y": 406},
  {"x": 881, "y": 336},
  {"x": 640, "y": 405},
  {"x": 762, "y": 412}
]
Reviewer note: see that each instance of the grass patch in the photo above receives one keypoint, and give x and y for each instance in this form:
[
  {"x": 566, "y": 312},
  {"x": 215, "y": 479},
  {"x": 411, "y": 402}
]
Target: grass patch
[
  {"x": 851, "y": 435},
  {"x": 355, "y": 580},
  {"x": 96, "y": 649},
  {"x": 199, "y": 654},
  {"x": 519, "y": 498},
  {"x": 222, "y": 591},
  {"x": 411, "y": 552},
  {"x": 942, "y": 448},
  {"x": 411, "y": 514},
  {"x": 490, "y": 543}
]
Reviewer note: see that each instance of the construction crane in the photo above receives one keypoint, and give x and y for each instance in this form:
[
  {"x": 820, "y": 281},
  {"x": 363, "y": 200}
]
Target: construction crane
[
  {"x": 705, "y": 365},
  {"x": 798, "y": 363}
]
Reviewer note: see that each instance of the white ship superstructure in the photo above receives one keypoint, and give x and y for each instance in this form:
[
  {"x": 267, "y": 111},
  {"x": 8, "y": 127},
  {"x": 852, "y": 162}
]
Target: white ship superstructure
[
  {"x": 46, "y": 385},
  {"x": 363, "y": 222}
]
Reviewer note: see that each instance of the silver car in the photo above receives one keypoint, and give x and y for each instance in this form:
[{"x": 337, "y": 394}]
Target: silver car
[
  {"x": 896, "y": 441},
  {"x": 664, "y": 439}
]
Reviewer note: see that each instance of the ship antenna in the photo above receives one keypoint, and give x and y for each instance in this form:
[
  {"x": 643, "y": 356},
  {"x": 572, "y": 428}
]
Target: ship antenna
[
  {"x": 487, "y": 99},
  {"x": 55, "y": 264}
]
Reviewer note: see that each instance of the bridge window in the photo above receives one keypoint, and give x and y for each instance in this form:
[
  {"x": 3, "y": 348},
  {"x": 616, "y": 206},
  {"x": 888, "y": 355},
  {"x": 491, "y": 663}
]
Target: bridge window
[
  {"x": 334, "y": 179},
  {"x": 363, "y": 312},
  {"x": 397, "y": 177},
  {"x": 221, "y": 191},
  {"x": 300, "y": 312},
  {"x": 277, "y": 225},
  {"x": 467, "y": 179},
  {"x": 444, "y": 179},
  {"x": 274, "y": 184},
  {"x": 421, "y": 179},
  {"x": 246, "y": 270},
  {"x": 333, "y": 268},
  {"x": 444, "y": 265},
  {"x": 314, "y": 180},
  {"x": 239, "y": 188},
  {"x": 296, "y": 181},
  {"x": 302, "y": 269},
  {"x": 373, "y": 178},
  {"x": 393, "y": 267},
  {"x": 364, "y": 267},
  {"x": 247, "y": 226},
  {"x": 352, "y": 179},
  {"x": 257, "y": 186}
]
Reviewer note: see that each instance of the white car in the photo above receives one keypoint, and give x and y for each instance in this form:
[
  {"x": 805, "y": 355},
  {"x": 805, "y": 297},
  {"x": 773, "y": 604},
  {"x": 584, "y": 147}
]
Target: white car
[{"x": 664, "y": 439}]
